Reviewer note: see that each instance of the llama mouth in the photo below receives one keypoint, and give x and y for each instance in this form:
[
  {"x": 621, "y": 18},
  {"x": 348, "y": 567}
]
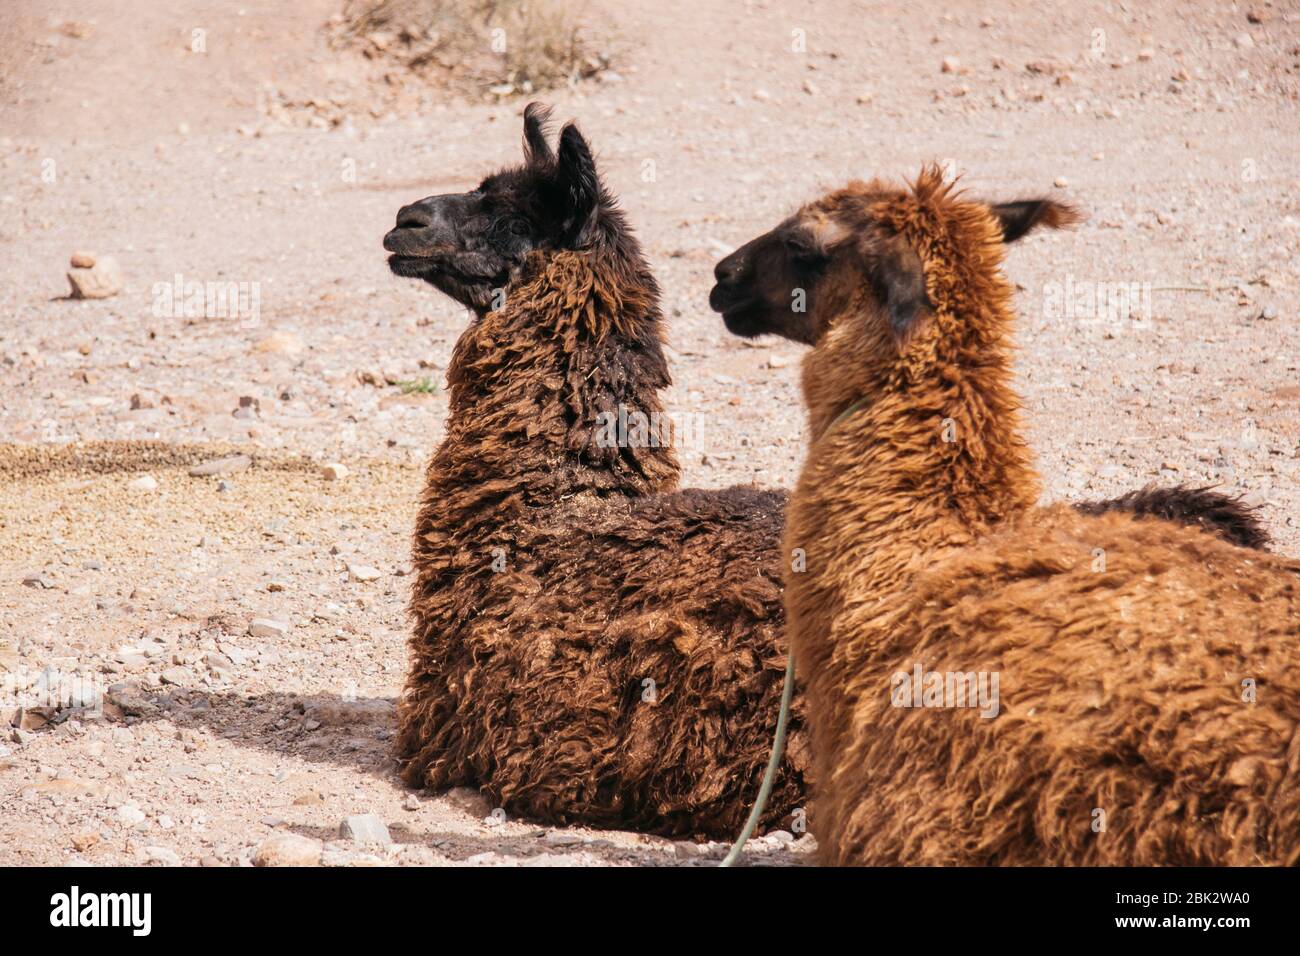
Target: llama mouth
[
  {"x": 741, "y": 318},
  {"x": 410, "y": 267}
]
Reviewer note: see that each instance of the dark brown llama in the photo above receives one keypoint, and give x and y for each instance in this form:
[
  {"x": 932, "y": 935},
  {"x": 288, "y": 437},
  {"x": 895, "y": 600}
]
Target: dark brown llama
[
  {"x": 989, "y": 681},
  {"x": 591, "y": 645}
]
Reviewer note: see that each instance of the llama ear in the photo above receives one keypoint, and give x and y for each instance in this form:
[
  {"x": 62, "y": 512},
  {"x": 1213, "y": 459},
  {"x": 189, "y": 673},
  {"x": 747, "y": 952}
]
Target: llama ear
[
  {"x": 898, "y": 279},
  {"x": 579, "y": 184},
  {"x": 1021, "y": 217},
  {"x": 536, "y": 148}
]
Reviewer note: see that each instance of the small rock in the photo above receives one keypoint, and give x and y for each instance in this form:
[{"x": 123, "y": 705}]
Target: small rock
[
  {"x": 175, "y": 675},
  {"x": 1146, "y": 53},
  {"x": 1243, "y": 41},
  {"x": 280, "y": 343},
  {"x": 100, "y": 281},
  {"x": 145, "y": 483},
  {"x": 777, "y": 361},
  {"x": 38, "y": 581},
  {"x": 333, "y": 471},
  {"x": 129, "y": 815},
  {"x": 560, "y": 838},
  {"x": 412, "y": 802},
  {"x": 267, "y": 627},
  {"x": 84, "y": 841},
  {"x": 1060, "y": 182},
  {"x": 365, "y": 829},
  {"x": 221, "y": 466},
  {"x": 161, "y": 856},
  {"x": 288, "y": 849},
  {"x": 360, "y": 572},
  {"x": 82, "y": 260},
  {"x": 950, "y": 65}
]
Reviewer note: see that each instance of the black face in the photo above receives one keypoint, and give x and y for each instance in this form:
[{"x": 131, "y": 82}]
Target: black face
[
  {"x": 469, "y": 245},
  {"x": 767, "y": 286}
]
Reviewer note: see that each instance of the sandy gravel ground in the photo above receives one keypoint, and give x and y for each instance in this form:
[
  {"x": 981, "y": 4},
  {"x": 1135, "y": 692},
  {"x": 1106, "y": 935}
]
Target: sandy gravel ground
[{"x": 1173, "y": 125}]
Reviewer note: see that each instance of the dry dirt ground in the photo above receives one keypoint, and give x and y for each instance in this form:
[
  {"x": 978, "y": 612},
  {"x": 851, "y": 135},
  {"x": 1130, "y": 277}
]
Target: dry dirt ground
[{"x": 1173, "y": 125}]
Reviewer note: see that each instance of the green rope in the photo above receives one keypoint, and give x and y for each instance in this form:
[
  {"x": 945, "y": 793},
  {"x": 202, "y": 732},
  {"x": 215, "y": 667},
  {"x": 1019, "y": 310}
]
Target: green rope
[{"x": 769, "y": 775}]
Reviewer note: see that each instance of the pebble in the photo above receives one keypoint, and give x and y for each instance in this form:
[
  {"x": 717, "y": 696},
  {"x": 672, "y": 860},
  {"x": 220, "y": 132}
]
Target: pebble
[
  {"x": 1060, "y": 182},
  {"x": 950, "y": 65},
  {"x": 38, "y": 581},
  {"x": 221, "y": 466},
  {"x": 175, "y": 675},
  {"x": 360, "y": 572},
  {"x": 561, "y": 838},
  {"x": 99, "y": 281},
  {"x": 131, "y": 816},
  {"x": 279, "y": 343},
  {"x": 267, "y": 627},
  {"x": 365, "y": 829},
  {"x": 161, "y": 856},
  {"x": 288, "y": 849},
  {"x": 412, "y": 802},
  {"x": 145, "y": 483},
  {"x": 333, "y": 471}
]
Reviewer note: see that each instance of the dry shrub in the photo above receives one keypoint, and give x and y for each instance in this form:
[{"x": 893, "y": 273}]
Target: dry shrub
[{"x": 498, "y": 46}]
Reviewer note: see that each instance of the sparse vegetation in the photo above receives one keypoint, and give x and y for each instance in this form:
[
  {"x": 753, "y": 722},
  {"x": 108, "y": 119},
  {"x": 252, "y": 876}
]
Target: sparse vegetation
[
  {"x": 418, "y": 386},
  {"x": 501, "y": 47}
]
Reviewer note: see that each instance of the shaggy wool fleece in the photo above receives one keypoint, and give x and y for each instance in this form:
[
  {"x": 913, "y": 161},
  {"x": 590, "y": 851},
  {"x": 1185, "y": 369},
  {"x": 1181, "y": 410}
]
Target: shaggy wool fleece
[
  {"x": 1148, "y": 707},
  {"x": 591, "y": 646}
]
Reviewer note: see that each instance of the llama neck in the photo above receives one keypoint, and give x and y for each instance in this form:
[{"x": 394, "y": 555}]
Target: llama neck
[
  {"x": 576, "y": 337},
  {"x": 904, "y": 465}
]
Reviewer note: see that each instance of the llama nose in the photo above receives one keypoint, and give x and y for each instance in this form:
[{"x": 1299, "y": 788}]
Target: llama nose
[
  {"x": 415, "y": 216},
  {"x": 728, "y": 268}
]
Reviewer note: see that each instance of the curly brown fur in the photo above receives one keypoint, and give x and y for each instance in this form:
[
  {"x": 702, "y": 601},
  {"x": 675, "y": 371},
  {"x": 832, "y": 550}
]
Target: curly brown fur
[
  {"x": 1223, "y": 515},
  {"x": 590, "y": 645},
  {"x": 1128, "y": 650},
  {"x": 555, "y": 575}
]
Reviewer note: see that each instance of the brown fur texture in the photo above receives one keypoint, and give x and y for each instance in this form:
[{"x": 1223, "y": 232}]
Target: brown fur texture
[
  {"x": 1149, "y": 673},
  {"x": 556, "y": 575},
  {"x": 1228, "y": 517},
  {"x": 591, "y": 645}
]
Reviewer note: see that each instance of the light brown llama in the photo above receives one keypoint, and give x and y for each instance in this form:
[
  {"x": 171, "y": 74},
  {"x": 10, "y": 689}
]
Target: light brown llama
[{"x": 1135, "y": 683}]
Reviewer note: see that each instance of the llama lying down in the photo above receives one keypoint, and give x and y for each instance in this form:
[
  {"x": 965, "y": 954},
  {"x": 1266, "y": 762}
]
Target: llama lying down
[
  {"x": 1147, "y": 673},
  {"x": 591, "y": 645}
]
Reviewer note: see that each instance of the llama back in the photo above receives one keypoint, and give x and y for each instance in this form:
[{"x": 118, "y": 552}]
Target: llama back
[{"x": 1143, "y": 711}]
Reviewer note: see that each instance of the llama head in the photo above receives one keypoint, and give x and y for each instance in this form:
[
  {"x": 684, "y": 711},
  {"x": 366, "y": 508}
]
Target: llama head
[
  {"x": 874, "y": 254},
  {"x": 470, "y": 245}
]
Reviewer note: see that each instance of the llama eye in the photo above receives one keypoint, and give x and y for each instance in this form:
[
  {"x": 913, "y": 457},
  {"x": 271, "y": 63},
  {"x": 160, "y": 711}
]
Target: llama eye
[{"x": 801, "y": 251}]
